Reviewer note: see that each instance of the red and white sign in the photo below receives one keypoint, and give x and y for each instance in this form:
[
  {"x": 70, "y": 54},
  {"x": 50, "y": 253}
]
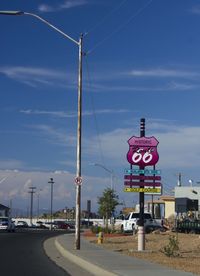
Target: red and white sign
[{"x": 78, "y": 180}]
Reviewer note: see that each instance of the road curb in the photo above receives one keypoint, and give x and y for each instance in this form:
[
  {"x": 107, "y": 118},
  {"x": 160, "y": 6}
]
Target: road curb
[{"x": 94, "y": 269}]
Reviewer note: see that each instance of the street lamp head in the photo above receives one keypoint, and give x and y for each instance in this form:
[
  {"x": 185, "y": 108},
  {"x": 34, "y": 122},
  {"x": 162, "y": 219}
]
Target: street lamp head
[
  {"x": 51, "y": 181},
  {"x": 190, "y": 181},
  {"x": 11, "y": 12}
]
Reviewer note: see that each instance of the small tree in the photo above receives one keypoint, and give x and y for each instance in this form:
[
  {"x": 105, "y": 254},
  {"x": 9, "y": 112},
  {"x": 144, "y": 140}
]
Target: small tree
[
  {"x": 107, "y": 204},
  {"x": 172, "y": 249}
]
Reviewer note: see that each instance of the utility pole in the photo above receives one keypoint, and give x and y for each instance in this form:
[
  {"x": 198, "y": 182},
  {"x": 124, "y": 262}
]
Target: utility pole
[
  {"x": 38, "y": 204},
  {"x": 78, "y": 158},
  {"x": 31, "y": 191},
  {"x": 51, "y": 182},
  {"x": 179, "y": 182}
]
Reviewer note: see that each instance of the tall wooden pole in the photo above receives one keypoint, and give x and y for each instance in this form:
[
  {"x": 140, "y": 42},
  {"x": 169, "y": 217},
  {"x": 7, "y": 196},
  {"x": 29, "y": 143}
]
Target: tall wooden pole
[{"x": 78, "y": 165}]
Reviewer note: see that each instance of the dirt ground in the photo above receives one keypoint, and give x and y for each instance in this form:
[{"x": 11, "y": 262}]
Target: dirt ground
[{"x": 188, "y": 258}]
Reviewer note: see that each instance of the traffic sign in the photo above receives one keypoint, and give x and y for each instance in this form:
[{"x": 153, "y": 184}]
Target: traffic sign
[
  {"x": 145, "y": 172},
  {"x": 146, "y": 190},
  {"x": 78, "y": 180}
]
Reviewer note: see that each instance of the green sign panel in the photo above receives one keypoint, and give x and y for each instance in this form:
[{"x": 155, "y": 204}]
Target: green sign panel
[{"x": 145, "y": 172}]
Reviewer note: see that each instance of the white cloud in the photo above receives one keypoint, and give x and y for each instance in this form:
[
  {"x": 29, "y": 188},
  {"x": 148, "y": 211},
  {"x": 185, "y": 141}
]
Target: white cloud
[
  {"x": 64, "y": 189},
  {"x": 176, "y": 142},
  {"x": 35, "y": 76},
  {"x": 164, "y": 73},
  {"x": 68, "y": 4},
  {"x": 62, "y": 114},
  {"x": 11, "y": 164},
  {"x": 195, "y": 9},
  {"x": 41, "y": 77},
  {"x": 55, "y": 135},
  {"x": 179, "y": 146},
  {"x": 45, "y": 8},
  {"x": 179, "y": 150}
]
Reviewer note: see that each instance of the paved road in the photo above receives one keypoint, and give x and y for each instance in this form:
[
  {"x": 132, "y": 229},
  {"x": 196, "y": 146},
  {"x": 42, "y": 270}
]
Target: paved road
[{"x": 22, "y": 253}]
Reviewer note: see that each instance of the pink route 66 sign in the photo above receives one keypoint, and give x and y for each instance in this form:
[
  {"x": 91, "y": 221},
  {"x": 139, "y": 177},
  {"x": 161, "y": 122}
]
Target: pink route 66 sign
[{"x": 143, "y": 151}]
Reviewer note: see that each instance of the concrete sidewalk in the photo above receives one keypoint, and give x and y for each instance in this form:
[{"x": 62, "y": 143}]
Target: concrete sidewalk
[{"x": 99, "y": 261}]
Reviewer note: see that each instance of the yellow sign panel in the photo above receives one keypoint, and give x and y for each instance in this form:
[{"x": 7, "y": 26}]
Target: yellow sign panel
[{"x": 143, "y": 190}]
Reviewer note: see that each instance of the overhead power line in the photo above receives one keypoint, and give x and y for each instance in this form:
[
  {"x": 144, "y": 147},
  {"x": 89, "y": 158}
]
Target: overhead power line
[
  {"x": 119, "y": 28},
  {"x": 94, "y": 113},
  {"x": 107, "y": 16}
]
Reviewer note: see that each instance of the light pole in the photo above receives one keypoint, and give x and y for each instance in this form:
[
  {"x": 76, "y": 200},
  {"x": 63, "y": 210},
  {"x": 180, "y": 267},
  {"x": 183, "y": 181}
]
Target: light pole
[
  {"x": 79, "y": 124},
  {"x": 51, "y": 210},
  {"x": 31, "y": 191},
  {"x": 38, "y": 204},
  {"x": 109, "y": 171}
]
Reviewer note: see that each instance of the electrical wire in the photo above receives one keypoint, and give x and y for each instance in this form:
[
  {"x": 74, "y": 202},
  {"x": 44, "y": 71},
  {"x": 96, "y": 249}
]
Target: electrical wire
[
  {"x": 120, "y": 27},
  {"x": 94, "y": 113},
  {"x": 113, "y": 11}
]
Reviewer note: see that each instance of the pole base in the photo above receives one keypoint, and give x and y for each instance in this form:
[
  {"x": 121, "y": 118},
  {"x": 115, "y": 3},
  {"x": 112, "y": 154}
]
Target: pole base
[{"x": 141, "y": 238}]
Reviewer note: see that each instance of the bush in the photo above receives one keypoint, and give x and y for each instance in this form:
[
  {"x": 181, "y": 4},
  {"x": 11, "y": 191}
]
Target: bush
[
  {"x": 172, "y": 249},
  {"x": 96, "y": 229}
]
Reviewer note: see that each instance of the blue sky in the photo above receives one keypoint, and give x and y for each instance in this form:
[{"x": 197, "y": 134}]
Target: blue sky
[{"x": 142, "y": 60}]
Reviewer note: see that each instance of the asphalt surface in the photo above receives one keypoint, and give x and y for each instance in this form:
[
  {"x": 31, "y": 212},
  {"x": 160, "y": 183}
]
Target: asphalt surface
[
  {"x": 22, "y": 253},
  {"x": 52, "y": 253}
]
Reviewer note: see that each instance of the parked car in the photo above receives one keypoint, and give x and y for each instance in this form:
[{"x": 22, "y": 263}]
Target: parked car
[
  {"x": 41, "y": 225},
  {"x": 58, "y": 224},
  {"x": 7, "y": 224},
  {"x": 22, "y": 224}
]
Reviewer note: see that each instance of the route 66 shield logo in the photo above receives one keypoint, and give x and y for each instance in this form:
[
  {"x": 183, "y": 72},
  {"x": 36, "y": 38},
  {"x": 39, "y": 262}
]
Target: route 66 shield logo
[{"x": 143, "y": 151}]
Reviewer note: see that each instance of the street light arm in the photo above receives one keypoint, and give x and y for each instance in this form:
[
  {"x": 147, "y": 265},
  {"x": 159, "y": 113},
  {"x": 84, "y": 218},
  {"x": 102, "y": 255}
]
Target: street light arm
[
  {"x": 52, "y": 26},
  {"x": 41, "y": 19},
  {"x": 96, "y": 164}
]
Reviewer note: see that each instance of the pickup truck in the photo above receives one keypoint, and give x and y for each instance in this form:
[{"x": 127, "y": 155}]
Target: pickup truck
[{"x": 130, "y": 223}]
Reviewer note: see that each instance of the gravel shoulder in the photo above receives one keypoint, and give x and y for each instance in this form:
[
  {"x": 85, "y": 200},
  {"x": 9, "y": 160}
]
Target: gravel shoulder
[{"x": 188, "y": 255}]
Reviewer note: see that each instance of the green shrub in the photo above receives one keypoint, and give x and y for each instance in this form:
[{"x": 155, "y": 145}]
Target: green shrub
[
  {"x": 97, "y": 229},
  {"x": 172, "y": 249}
]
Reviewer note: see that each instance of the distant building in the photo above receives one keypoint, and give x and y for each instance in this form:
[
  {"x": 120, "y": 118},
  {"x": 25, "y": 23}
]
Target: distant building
[
  {"x": 187, "y": 198},
  {"x": 127, "y": 210},
  {"x": 4, "y": 211}
]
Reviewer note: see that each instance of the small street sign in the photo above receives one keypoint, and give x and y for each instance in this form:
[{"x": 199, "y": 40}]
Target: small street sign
[
  {"x": 146, "y": 190},
  {"x": 145, "y": 172},
  {"x": 78, "y": 180}
]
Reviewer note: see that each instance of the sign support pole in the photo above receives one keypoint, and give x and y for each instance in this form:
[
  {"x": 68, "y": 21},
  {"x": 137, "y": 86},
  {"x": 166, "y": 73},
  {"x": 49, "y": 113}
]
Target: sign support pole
[{"x": 141, "y": 233}]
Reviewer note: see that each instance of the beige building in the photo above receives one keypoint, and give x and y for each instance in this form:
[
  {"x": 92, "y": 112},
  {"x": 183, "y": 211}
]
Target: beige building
[{"x": 163, "y": 207}]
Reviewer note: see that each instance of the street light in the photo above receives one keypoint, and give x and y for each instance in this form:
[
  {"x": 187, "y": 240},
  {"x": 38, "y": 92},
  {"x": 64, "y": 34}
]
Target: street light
[
  {"x": 79, "y": 124},
  {"x": 38, "y": 204},
  {"x": 31, "y": 191},
  {"x": 109, "y": 171},
  {"x": 51, "y": 210}
]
